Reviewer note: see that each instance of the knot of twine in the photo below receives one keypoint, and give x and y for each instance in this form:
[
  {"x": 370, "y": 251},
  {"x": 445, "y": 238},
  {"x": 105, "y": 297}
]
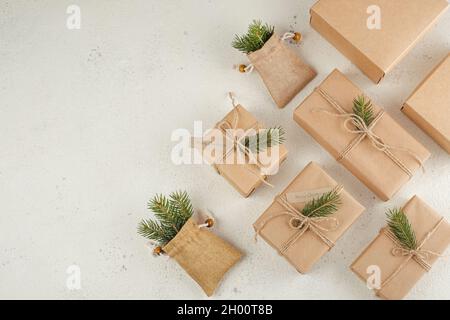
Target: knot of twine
[
  {"x": 302, "y": 223},
  {"x": 356, "y": 125},
  {"x": 419, "y": 255},
  {"x": 286, "y": 36},
  {"x": 229, "y": 131}
]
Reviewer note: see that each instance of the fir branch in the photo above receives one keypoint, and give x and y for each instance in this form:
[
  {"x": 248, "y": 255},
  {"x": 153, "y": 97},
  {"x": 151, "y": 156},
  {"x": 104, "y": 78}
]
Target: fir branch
[
  {"x": 399, "y": 225},
  {"x": 257, "y": 35},
  {"x": 164, "y": 212},
  {"x": 323, "y": 206},
  {"x": 264, "y": 139},
  {"x": 181, "y": 202},
  {"x": 154, "y": 231},
  {"x": 364, "y": 109},
  {"x": 171, "y": 214}
]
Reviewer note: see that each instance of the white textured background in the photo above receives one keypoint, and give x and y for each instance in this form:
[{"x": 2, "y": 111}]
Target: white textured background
[{"x": 85, "y": 123}]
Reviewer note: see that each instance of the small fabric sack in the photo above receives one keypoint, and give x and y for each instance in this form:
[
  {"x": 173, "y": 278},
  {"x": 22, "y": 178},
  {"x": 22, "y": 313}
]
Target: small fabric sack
[
  {"x": 203, "y": 255},
  {"x": 282, "y": 71}
]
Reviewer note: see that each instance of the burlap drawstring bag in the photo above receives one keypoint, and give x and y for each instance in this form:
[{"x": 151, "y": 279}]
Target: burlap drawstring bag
[
  {"x": 282, "y": 71},
  {"x": 203, "y": 255}
]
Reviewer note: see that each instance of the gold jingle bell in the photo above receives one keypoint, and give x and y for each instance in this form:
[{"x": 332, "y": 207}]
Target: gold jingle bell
[
  {"x": 297, "y": 37},
  {"x": 209, "y": 222},
  {"x": 157, "y": 251},
  {"x": 242, "y": 68}
]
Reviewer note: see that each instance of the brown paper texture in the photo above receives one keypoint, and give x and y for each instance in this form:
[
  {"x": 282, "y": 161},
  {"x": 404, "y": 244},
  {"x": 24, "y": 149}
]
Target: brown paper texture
[
  {"x": 308, "y": 249},
  {"x": 423, "y": 219},
  {"x": 244, "y": 177},
  {"x": 371, "y": 166},
  {"x": 203, "y": 255},
  {"x": 429, "y": 104},
  {"x": 282, "y": 71},
  {"x": 375, "y": 51}
]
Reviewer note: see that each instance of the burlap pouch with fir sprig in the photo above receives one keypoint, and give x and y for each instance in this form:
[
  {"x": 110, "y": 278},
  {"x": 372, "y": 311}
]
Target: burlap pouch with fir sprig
[
  {"x": 203, "y": 255},
  {"x": 281, "y": 69}
]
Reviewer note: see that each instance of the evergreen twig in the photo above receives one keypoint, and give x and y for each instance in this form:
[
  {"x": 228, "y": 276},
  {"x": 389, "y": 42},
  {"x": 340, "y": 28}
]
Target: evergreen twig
[
  {"x": 364, "y": 109},
  {"x": 255, "y": 38},
  {"x": 264, "y": 139},
  {"x": 171, "y": 214},
  {"x": 322, "y": 206},
  {"x": 400, "y": 226}
]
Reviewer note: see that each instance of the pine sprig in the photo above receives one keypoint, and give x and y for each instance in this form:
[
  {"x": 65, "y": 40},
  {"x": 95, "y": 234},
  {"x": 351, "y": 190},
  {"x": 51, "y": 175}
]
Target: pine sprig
[
  {"x": 154, "y": 231},
  {"x": 181, "y": 202},
  {"x": 257, "y": 35},
  {"x": 323, "y": 206},
  {"x": 171, "y": 214},
  {"x": 400, "y": 226},
  {"x": 264, "y": 139},
  {"x": 363, "y": 108}
]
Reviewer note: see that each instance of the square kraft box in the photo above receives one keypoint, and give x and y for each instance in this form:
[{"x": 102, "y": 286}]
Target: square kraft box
[
  {"x": 344, "y": 23},
  {"x": 245, "y": 178},
  {"x": 307, "y": 248},
  {"x": 399, "y": 273},
  {"x": 429, "y": 104}
]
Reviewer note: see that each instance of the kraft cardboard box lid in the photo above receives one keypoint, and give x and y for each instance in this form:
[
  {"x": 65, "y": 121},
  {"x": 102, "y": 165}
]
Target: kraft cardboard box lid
[
  {"x": 403, "y": 23},
  {"x": 429, "y": 104}
]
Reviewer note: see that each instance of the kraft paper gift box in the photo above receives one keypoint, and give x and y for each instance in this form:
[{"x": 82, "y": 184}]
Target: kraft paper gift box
[
  {"x": 303, "y": 248},
  {"x": 203, "y": 255},
  {"x": 399, "y": 272},
  {"x": 429, "y": 104},
  {"x": 351, "y": 27},
  {"x": 246, "y": 177},
  {"x": 383, "y": 158},
  {"x": 281, "y": 69}
]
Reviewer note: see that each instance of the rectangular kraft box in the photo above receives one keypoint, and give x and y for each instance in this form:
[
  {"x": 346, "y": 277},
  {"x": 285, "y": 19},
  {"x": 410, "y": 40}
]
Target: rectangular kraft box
[
  {"x": 423, "y": 220},
  {"x": 344, "y": 23},
  {"x": 245, "y": 178},
  {"x": 429, "y": 104},
  {"x": 308, "y": 248},
  {"x": 378, "y": 171}
]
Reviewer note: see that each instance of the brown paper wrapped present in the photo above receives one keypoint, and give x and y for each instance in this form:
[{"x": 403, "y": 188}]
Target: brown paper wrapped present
[
  {"x": 282, "y": 71},
  {"x": 203, "y": 255},
  {"x": 375, "y": 34},
  {"x": 383, "y": 155},
  {"x": 302, "y": 241},
  {"x": 245, "y": 177},
  {"x": 429, "y": 104},
  {"x": 401, "y": 269}
]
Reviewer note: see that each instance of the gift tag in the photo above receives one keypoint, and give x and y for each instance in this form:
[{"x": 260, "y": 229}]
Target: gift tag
[{"x": 304, "y": 196}]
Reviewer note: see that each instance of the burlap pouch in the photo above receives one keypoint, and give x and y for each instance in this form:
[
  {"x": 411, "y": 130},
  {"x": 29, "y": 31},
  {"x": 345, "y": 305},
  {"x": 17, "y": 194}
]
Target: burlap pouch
[
  {"x": 202, "y": 254},
  {"x": 282, "y": 71}
]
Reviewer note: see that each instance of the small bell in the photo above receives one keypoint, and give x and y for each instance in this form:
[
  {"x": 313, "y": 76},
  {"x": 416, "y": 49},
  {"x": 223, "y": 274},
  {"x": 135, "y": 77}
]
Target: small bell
[
  {"x": 242, "y": 68},
  {"x": 209, "y": 222},
  {"x": 297, "y": 37},
  {"x": 157, "y": 251}
]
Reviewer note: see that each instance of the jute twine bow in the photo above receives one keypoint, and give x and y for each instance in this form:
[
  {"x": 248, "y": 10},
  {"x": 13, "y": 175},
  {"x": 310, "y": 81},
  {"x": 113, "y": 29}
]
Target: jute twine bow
[
  {"x": 302, "y": 223},
  {"x": 286, "y": 36},
  {"x": 356, "y": 125},
  {"x": 419, "y": 255},
  {"x": 229, "y": 131}
]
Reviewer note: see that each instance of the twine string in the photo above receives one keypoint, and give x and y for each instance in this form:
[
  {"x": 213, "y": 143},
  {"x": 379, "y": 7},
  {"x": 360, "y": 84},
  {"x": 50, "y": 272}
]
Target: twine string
[
  {"x": 419, "y": 255},
  {"x": 301, "y": 223},
  {"x": 237, "y": 142},
  {"x": 354, "y": 124}
]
